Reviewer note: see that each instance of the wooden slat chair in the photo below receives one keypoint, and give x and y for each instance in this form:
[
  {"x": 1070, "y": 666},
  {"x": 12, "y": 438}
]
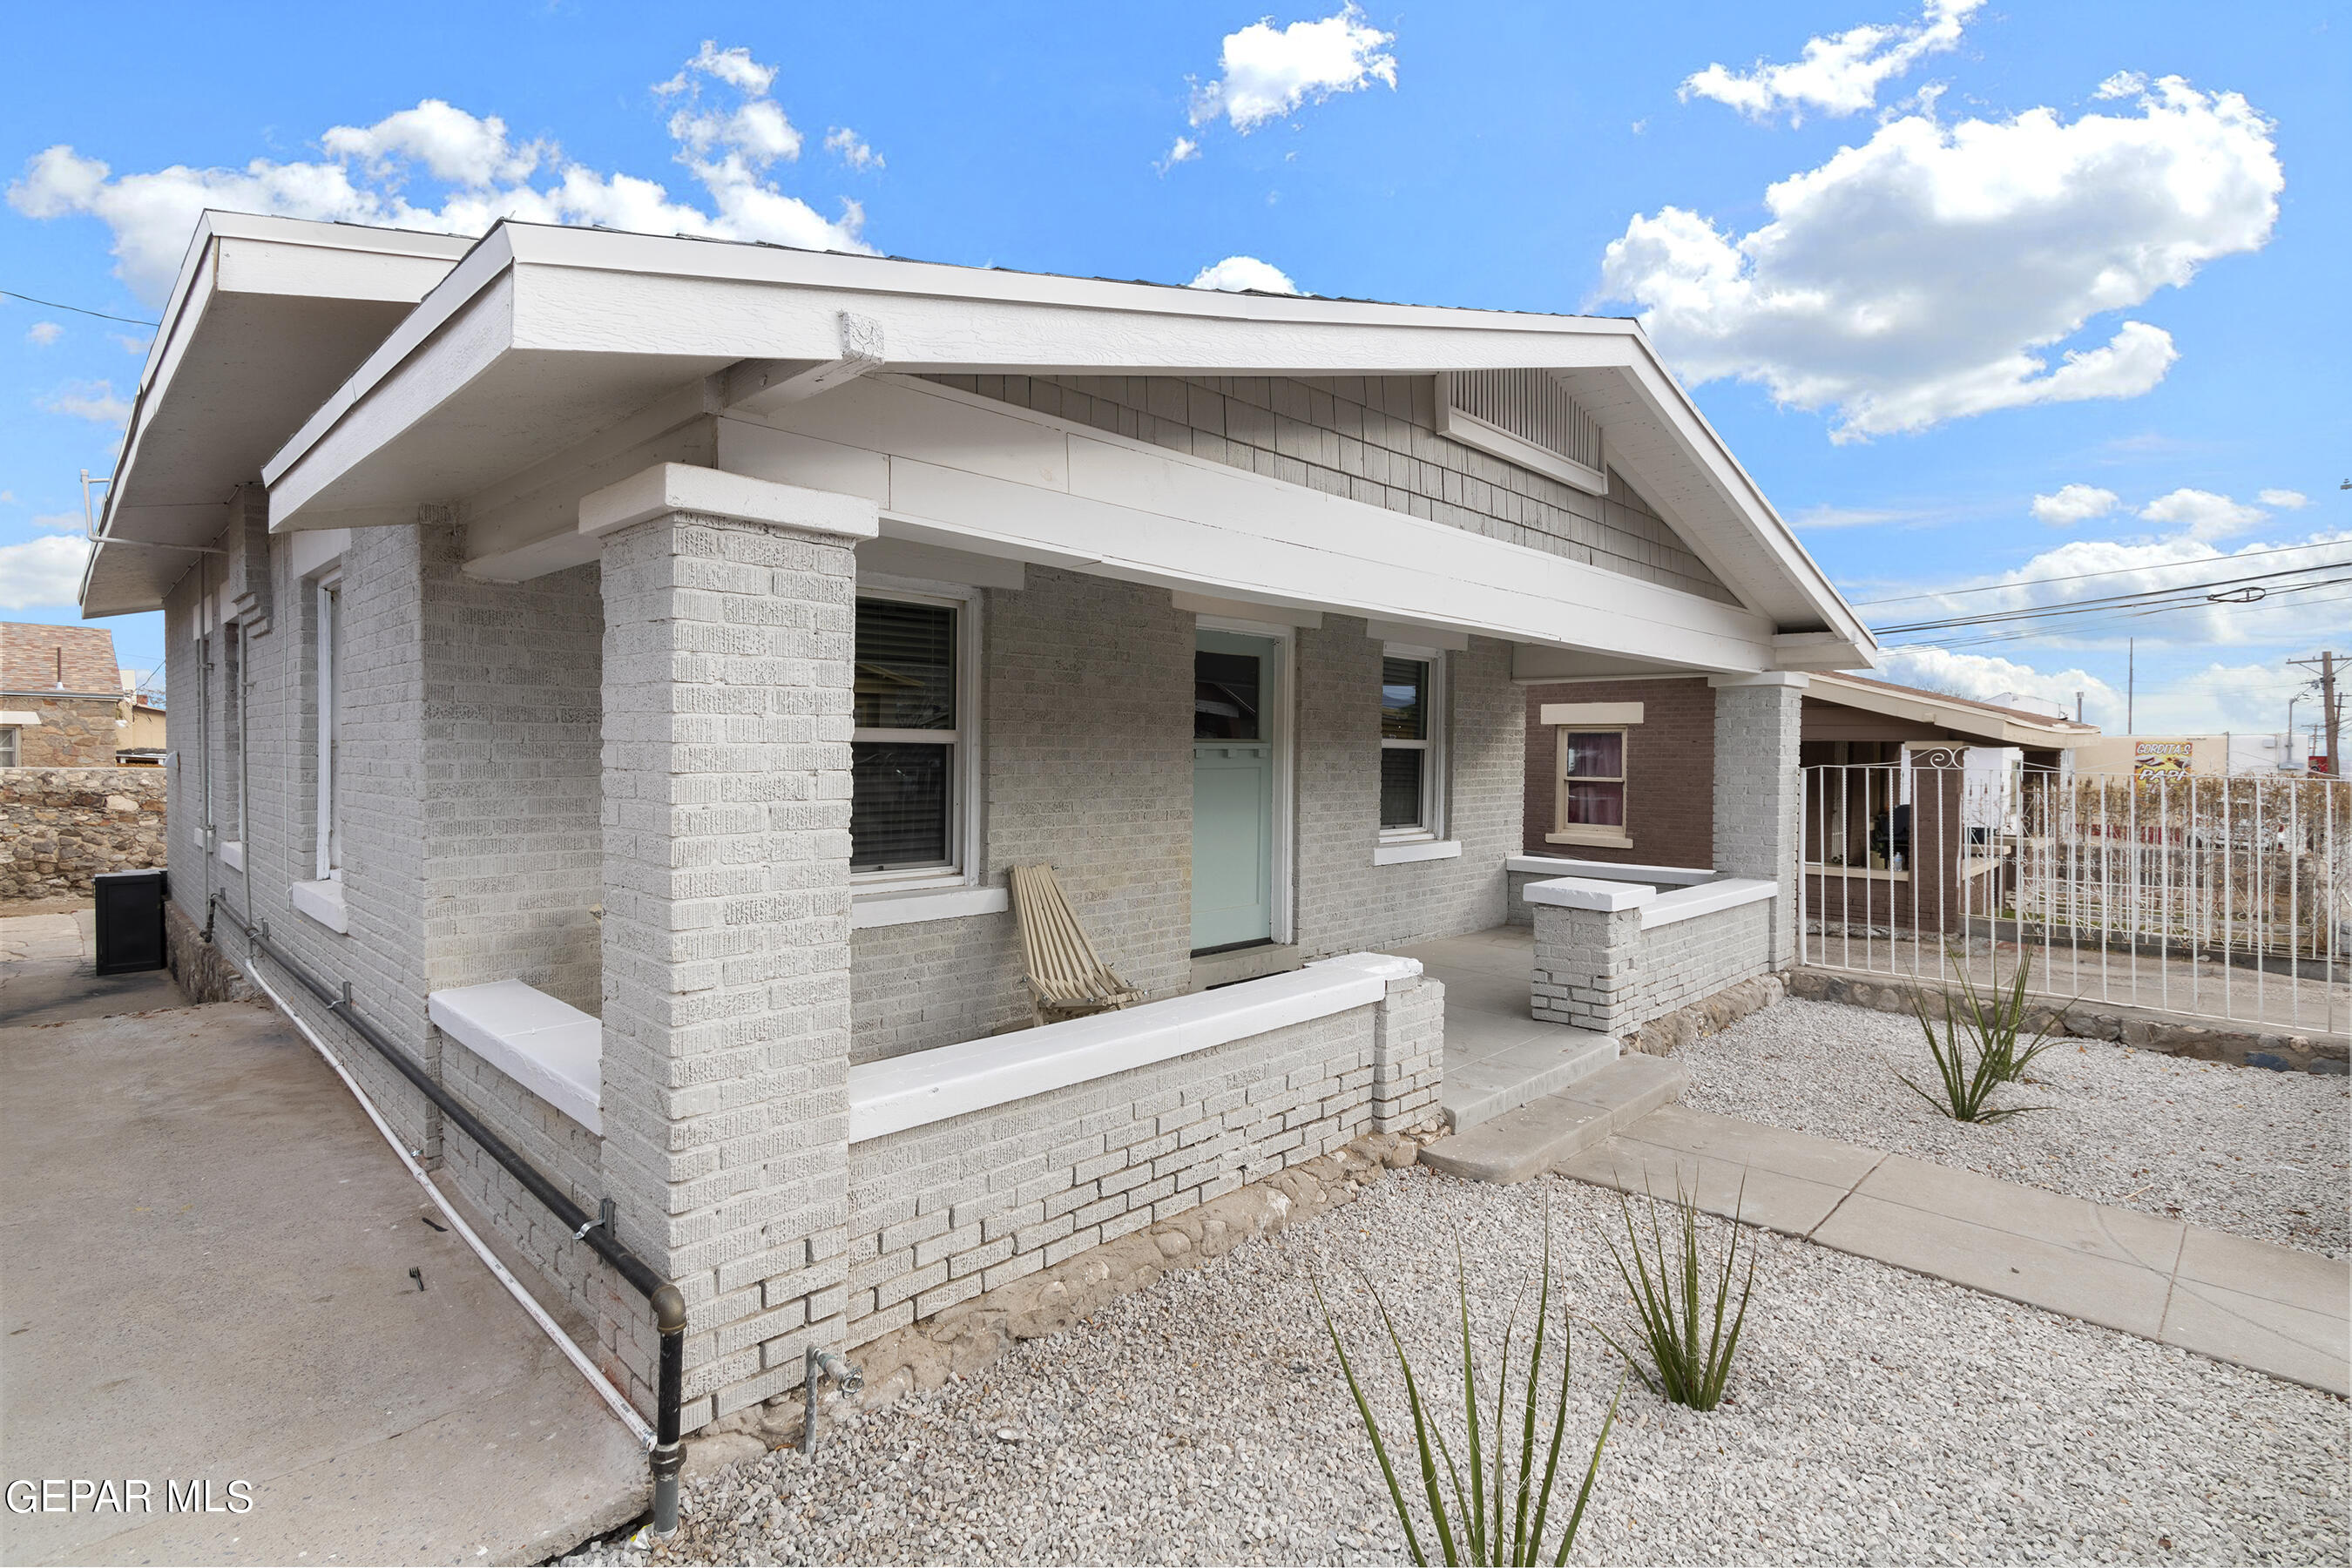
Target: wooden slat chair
[{"x": 1064, "y": 976}]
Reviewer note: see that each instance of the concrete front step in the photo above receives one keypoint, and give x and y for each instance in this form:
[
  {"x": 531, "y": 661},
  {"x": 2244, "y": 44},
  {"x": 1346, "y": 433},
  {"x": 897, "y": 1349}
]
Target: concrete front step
[
  {"x": 1480, "y": 1090},
  {"x": 1541, "y": 1133}
]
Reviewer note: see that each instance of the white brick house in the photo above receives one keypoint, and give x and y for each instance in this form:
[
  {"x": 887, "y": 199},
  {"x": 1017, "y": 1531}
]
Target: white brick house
[{"x": 682, "y": 640}]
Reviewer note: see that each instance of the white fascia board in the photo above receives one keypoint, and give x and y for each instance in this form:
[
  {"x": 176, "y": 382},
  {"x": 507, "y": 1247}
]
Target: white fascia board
[
  {"x": 1672, "y": 402},
  {"x": 991, "y": 480},
  {"x": 346, "y": 430},
  {"x": 459, "y": 294}
]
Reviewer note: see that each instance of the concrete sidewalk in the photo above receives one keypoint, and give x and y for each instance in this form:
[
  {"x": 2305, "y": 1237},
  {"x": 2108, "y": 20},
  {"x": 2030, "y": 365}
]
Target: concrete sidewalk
[
  {"x": 48, "y": 973},
  {"x": 2275, "y": 1308},
  {"x": 207, "y": 1251}
]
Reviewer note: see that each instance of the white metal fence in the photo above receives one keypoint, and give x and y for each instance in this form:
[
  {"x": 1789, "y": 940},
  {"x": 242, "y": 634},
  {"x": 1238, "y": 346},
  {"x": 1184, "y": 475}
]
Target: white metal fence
[{"x": 2205, "y": 897}]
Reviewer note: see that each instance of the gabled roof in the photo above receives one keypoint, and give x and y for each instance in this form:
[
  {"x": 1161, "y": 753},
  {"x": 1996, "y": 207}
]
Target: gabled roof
[{"x": 540, "y": 336}]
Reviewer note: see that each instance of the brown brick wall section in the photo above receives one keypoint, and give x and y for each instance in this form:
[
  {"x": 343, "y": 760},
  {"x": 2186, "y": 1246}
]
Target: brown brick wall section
[
  {"x": 1669, "y": 772},
  {"x": 50, "y": 658}
]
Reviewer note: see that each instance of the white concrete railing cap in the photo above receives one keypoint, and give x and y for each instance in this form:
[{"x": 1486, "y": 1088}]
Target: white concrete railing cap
[
  {"x": 1689, "y": 903},
  {"x": 546, "y": 1044},
  {"x": 1605, "y": 870},
  {"x": 681, "y": 487},
  {"x": 1584, "y": 893}
]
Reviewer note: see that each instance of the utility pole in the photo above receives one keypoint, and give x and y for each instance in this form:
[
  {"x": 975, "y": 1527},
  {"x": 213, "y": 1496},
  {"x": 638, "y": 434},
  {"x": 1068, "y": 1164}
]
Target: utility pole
[
  {"x": 2331, "y": 716},
  {"x": 2131, "y": 683}
]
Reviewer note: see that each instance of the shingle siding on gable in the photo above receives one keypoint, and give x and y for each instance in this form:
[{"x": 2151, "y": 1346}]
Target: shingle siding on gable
[{"x": 1372, "y": 439}]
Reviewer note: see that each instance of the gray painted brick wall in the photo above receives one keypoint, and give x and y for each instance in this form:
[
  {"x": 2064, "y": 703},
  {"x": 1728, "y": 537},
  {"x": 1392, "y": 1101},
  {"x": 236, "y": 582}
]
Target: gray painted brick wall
[
  {"x": 1599, "y": 970},
  {"x": 944, "y": 1212},
  {"x": 1373, "y": 439},
  {"x": 1758, "y": 788}
]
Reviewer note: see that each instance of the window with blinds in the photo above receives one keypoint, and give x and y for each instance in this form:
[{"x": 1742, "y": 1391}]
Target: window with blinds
[
  {"x": 904, "y": 748},
  {"x": 1408, "y": 747}
]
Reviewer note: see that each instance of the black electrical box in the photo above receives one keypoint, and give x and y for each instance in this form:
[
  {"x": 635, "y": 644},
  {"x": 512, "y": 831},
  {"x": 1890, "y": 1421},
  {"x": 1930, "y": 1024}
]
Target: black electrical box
[{"x": 130, "y": 921}]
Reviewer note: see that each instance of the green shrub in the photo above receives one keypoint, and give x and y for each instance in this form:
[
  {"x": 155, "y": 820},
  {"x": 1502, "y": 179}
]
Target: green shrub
[
  {"x": 1491, "y": 1522},
  {"x": 1969, "y": 1070},
  {"x": 1683, "y": 1304}
]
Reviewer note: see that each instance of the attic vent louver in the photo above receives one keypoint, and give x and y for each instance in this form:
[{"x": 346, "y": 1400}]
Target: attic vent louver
[{"x": 1525, "y": 416}]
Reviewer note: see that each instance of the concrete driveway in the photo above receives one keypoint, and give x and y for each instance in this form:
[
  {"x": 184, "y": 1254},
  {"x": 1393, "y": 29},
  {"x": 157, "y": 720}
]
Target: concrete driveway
[{"x": 205, "y": 1277}]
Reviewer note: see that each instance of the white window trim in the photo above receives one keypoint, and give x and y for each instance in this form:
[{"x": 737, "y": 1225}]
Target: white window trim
[
  {"x": 1284, "y": 736},
  {"x": 322, "y": 901},
  {"x": 1431, "y": 828},
  {"x": 327, "y": 735},
  {"x": 15, "y": 747},
  {"x": 966, "y": 847},
  {"x": 1618, "y": 837}
]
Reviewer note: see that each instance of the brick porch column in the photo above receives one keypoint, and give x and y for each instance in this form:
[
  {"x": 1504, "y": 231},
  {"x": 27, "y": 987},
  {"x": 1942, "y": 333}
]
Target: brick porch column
[
  {"x": 1758, "y": 789},
  {"x": 729, "y": 628},
  {"x": 1588, "y": 954}
]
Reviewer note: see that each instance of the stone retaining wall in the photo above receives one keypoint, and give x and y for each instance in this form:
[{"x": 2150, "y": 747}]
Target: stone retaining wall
[
  {"x": 2138, "y": 1027},
  {"x": 60, "y": 827}
]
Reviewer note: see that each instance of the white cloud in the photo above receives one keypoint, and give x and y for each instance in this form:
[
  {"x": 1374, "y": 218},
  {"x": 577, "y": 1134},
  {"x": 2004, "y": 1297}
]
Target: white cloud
[
  {"x": 1838, "y": 75},
  {"x": 93, "y": 400},
  {"x": 41, "y": 334},
  {"x": 1846, "y": 517},
  {"x": 1184, "y": 151},
  {"x": 371, "y": 175},
  {"x": 1986, "y": 677},
  {"x": 1265, "y": 72},
  {"x": 1239, "y": 272},
  {"x": 41, "y": 572},
  {"x": 59, "y": 521},
  {"x": 2201, "y": 514},
  {"x": 1926, "y": 274},
  {"x": 453, "y": 145},
  {"x": 852, "y": 149},
  {"x": 128, "y": 344},
  {"x": 2123, "y": 84},
  {"x": 2285, "y": 501},
  {"x": 2217, "y": 698},
  {"x": 2073, "y": 504}
]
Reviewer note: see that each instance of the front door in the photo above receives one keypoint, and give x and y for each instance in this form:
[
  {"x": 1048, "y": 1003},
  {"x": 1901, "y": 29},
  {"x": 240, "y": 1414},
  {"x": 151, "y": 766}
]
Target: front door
[{"x": 1236, "y": 683}]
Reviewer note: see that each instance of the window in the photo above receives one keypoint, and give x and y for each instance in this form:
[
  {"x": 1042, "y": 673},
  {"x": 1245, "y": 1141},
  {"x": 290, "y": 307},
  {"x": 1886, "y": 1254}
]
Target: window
[
  {"x": 329, "y": 733},
  {"x": 10, "y": 749},
  {"x": 1411, "y": 730},
  {"x": 1591, "y": 787},
  {"x": 909, "y": 748}
]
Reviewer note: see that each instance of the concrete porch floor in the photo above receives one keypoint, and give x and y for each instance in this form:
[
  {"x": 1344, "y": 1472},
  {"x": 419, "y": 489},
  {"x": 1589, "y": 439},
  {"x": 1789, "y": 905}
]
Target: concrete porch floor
[
  {"x": 1497, "y": 1056},
  {"x": 207, "y": 1279}
]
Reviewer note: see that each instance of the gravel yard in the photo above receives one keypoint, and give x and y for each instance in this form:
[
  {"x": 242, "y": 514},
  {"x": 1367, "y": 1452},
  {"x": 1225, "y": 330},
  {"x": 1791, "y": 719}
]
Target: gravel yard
[
  {"x": 1876, "y": 1417},
  {"x": 2238, "y": 1149}
]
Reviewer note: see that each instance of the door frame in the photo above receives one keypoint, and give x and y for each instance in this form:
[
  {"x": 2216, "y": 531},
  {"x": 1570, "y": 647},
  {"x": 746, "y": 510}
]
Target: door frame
[{"x": 1282, "y": 874}]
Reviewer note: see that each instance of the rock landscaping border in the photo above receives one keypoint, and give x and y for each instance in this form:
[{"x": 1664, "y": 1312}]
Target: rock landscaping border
[
  {"x": 2141, "y": 1028},
  {"x": 1664, "y": 1036},
  {"x": 968, "y": 1336}
]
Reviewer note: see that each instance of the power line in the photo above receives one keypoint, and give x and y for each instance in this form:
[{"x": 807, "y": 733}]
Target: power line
[
  {"x": 2086, "y": 576},
  {"x": 2084, "y": 607},
  {"x": 2115, "y": 617},
  {"x": 77, "y": 310}
]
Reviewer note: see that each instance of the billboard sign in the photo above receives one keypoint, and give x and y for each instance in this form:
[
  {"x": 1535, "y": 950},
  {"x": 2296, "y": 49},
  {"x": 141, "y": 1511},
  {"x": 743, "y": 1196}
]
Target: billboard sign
[{"x": 2162, "y": 756}]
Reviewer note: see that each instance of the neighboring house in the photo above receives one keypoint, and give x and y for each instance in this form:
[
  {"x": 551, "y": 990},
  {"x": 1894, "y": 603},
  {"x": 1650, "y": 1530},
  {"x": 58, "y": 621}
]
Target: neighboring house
[
  {"x": 633, "y": 664},
  {"x": 62, "y": 700},
  {"x": 1623, "y": 770},
  {"x": 147, "y": 738}
]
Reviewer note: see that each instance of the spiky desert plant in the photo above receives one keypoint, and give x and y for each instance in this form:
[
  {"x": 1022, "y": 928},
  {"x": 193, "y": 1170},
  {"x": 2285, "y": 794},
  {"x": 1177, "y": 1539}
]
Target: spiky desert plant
[
  {"x": 1683, "y": 1304},
  {"x": 1996, "y": 1018},
  {"x": 1968, "y": 1071},
  {"x": 1496, "y": 1521}
]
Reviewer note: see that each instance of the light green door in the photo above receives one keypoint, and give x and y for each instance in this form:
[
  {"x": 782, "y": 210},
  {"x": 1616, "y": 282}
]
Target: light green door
[{"x": 1236, "y": 680}]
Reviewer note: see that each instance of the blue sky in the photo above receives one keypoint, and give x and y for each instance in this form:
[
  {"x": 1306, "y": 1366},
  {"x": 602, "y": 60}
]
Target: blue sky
[{"x": 1981, "y": 294}]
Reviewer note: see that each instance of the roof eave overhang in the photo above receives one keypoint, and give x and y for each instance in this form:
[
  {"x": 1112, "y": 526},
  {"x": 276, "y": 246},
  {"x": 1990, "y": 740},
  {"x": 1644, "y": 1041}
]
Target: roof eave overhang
[{"x": 693, "y": 306}]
